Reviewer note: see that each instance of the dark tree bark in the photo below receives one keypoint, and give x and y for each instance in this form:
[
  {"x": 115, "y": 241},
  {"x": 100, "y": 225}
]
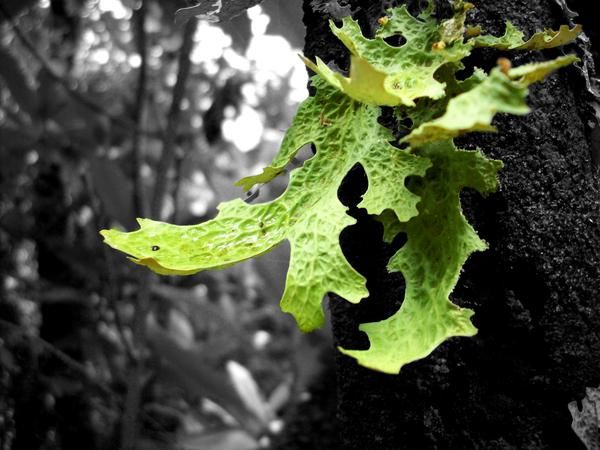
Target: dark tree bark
[{"x": 535, "y": 292}]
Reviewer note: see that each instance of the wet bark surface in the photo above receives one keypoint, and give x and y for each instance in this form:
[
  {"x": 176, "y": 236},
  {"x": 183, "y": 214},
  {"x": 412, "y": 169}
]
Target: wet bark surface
[{"x": 535, "y": 292}]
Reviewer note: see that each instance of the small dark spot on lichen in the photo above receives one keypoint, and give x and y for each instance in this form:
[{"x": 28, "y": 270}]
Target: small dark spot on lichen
[{"x": 155, "y": 248}]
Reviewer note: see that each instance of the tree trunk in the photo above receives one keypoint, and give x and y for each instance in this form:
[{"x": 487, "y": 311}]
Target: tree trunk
[{"x": 534, "y": 291}]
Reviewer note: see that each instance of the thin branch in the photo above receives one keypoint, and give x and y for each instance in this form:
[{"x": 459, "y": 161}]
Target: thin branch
[
  {"x": 110, "y": 291},
  {"x": 168, "y": 151},
  {"x": 139, "y": 18},
  {"x": 129, "y": 430},
  {"x": 112, "y": 301},
  {"x": 69, "y": 362},
  {"x": 179, "y": 159},
  {"x": 74, "y": 365},
  {"x": 132, "y": 406},
  {"x": 121, "y": 122}
]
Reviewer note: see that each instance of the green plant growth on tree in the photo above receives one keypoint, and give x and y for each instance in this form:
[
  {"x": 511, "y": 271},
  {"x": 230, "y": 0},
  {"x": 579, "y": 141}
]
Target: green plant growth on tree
[{"x": 414, "y": 190}]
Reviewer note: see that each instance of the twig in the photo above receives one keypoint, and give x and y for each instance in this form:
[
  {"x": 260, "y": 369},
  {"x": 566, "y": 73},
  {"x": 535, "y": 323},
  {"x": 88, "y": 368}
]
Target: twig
[
  {"x": 111, "y": 290},
  {"x": 121, "y": 122},
  {"x": 168, "y": 151},
  {"x": 129, "y": 428},
  {"x": 72, "y": 364},
  {"x": 139, "y": 18},
  {"x": 129, "y": 425},
  {"x": 132, "y": 406},
  {"x": 179, "y": 159},
  {"x": 112, "y": 301}
]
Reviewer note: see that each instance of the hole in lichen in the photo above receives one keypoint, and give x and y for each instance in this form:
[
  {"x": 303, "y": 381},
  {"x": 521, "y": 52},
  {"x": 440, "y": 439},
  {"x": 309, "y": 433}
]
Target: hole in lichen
[
  {"x": 414, "y": 183},
  {"x": 267, "y": 192},
  {"x": 405, "y": 123},
  {"x": 353, "y": 186},
  {"x": 395, "y": 40}
]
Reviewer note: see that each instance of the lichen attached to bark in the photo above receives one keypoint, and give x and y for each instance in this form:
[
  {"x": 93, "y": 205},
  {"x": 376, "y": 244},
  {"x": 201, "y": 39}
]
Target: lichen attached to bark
[{"x": 414, "y": 190}]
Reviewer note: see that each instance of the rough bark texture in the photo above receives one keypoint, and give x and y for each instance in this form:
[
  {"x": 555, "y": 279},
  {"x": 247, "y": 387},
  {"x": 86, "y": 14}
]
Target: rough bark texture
[{"x": 534, "y": 292}]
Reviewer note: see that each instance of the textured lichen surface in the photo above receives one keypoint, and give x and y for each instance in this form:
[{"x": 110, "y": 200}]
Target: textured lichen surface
[
  {"x": 385, "y": 75},
  {"x": 475, "y": 109},
  {"x": 413, "y": 190},
  {"x": 512, "y": 39},
  {"x": 439, "y": 240},
  {"x": 308, "y": 214}
]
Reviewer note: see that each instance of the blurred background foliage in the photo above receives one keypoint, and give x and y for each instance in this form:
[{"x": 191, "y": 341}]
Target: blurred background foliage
[{"x": 110, "y": 111}]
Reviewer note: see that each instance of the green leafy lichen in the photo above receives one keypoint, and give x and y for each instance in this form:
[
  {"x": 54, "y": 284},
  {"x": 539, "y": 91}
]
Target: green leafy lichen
[
  {"x": 474, "y": 109},
  {"x": 308, "y": 214},
  {"x": 513, "y": 38},
  {"x": 439, "y": 240},
  {"x": 453, "y": 29},
  {"x": 381, "y": 74},
  {"x": 415, "y": 191}
]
